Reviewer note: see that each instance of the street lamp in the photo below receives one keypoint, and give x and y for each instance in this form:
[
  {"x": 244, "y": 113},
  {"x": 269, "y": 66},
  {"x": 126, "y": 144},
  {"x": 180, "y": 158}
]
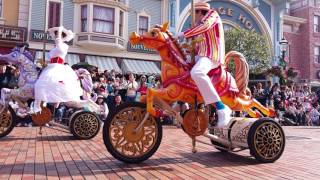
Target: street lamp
[{"x": 283, "y": 48}]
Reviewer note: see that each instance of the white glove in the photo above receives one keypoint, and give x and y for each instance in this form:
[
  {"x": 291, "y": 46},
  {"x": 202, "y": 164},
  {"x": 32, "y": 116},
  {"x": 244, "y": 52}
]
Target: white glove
[{"x": 179, "y": 35}]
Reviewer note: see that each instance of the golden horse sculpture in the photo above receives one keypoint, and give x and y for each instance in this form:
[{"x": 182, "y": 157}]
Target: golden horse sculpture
[{"x": 177, "y": 82}]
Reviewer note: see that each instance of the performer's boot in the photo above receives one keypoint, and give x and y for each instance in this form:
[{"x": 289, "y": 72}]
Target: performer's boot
[
  {"x": 224, "y": 114},
  {"x": 35, "y": 107}
]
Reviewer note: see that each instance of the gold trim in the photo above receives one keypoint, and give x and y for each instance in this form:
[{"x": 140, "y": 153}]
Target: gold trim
[
  {"x": 268, "y": 140},
  {"x": 5, "y": 121},
  {"x": 125, "y": 140},
  {"x": 86, "y": 125}
]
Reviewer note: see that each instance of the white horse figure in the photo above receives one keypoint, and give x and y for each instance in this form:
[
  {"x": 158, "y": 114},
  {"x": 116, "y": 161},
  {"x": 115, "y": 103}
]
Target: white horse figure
[{"x": 29, "y": 75}]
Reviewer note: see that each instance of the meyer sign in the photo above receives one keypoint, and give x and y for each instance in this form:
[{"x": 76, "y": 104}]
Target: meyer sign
[{"x": 139, "y": 48}]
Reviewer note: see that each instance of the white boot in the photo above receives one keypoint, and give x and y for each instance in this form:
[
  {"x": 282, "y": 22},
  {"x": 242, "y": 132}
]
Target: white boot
[{"x": 224, "y": 116}]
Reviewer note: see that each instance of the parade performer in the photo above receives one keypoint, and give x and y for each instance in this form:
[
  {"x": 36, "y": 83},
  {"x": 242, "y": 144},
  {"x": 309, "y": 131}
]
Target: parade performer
[
  {"x": 57, "y": 82},
  {"x": 209, "y": 55}
]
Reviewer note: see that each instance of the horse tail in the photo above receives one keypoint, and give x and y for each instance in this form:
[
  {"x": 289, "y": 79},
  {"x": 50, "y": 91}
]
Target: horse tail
[
  {"x": 86, "y": 83},
  {"x": 241, "y": 73}
]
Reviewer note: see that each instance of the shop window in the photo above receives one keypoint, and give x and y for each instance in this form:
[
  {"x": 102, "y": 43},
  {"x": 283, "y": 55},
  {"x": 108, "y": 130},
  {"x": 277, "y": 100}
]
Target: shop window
[
  {"x": 316, "y": 23},
  {"x": 317, "y": 54},
  {"x": 143, "y": 24},
  {"x": 121, "y": 23},
  {"x": 103, "y": 19},
  {"x": 54, "y": 14},
  {"x": 84, "y": 18}
]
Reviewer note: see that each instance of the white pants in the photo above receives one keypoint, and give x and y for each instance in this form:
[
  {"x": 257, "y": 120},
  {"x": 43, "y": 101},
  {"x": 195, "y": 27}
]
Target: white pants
[{"x": 199, "y": 75}]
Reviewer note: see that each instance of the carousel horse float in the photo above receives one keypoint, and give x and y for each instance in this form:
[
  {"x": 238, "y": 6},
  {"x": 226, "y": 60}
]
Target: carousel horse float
[
  {"x": 83, "y": 124},
  {"x": 133, "y": 132}
]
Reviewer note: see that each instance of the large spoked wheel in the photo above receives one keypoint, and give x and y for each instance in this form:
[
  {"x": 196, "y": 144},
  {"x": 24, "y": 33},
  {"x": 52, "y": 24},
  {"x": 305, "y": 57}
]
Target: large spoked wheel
[
  {"x": 7, "y": 122},
  {"x": 266, "y": 140},
  {"x": 122, "y": 142},
  {"x": 84, "y": 125}
]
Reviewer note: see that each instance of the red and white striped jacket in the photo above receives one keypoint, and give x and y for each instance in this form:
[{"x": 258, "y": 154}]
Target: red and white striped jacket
[{"x": 210, "y": 28}]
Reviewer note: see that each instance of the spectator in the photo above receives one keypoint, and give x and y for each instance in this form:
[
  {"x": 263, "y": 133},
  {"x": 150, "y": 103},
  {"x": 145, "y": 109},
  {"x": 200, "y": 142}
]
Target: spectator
[
  {"x": 109, "y": 86},
  {"x": 260, "y": 94},
  {"x": 103, "y": 107},
  {"x": 13, "y": 83},
  {"x": 314, "y": 115},
  {"x": 143, "y": 88},
  {"x": 132, "y": 87},
  {"x": 60, "y": 112},
  {"x": 117, "y": 102},
  {"x": 151, "y": 82}
]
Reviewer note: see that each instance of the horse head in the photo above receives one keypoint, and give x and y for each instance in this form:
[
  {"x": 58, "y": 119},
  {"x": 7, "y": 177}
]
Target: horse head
[
  {"x": 160, "y": 39},
  {"x": 155, "y": 38},
  {"x": 18, "y": 55}
]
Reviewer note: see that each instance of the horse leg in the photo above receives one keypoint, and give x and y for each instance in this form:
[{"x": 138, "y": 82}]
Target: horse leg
[
  {"x": 151, "y": 94},
  {"x": 5, "y": 95},
  {"x": 246, "y": 105},
  {"x": 252, "y": 113},
  {"x": 266, "y": 111}
]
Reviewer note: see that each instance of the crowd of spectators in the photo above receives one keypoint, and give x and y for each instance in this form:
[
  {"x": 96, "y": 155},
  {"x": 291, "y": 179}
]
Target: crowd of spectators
[{"x": 295, "y": 102}]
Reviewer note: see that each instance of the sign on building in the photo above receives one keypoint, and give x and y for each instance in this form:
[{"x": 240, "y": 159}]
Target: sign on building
[
  {"x": 12, "y": 34},
  {"x": 139, "y": 48},
  {"x": 39, "y": 35}
]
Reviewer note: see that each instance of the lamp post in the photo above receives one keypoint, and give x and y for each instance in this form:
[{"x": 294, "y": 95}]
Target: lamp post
[{"x": 283, "y": 48}]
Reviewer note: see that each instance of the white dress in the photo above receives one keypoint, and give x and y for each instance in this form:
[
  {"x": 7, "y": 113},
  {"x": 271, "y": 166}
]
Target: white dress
[{"x": 58, "y": 82}]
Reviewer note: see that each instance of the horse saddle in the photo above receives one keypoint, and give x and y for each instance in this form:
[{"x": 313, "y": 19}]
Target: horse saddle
[{"x": 223, "y": 81}]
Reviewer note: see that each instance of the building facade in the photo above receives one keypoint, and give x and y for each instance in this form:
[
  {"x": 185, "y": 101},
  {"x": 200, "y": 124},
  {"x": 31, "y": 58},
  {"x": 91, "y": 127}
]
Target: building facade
[
  {"x": 102, "y": 29},
  {"x": 13, "y": 23},
  {"x": 262, "y": 16},
  {"x": 302, "y": 31}
]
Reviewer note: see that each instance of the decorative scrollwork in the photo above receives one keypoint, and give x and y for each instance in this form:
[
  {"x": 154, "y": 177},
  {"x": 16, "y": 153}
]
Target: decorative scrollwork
[
  {"x": 5, "y": 121},
  {"x": 242, "y": 136},
  {"x": 268, "y": 140},
  {"x": 85, "y": 125},
  {"x": 123, "y": 137}
]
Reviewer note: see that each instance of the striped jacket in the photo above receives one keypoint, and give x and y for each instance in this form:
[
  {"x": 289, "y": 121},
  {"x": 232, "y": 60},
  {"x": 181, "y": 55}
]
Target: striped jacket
[{"x": 210, "y": 28}]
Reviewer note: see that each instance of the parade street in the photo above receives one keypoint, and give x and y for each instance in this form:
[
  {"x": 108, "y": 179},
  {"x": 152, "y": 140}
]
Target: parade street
[{"x": 57, "y": 155}]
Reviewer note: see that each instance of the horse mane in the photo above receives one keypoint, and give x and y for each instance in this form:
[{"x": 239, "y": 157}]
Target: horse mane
[
  {"x": 179, "y": 47},
  {"x": 175, "y": 50},
  {"x": 26, "y": 53}
]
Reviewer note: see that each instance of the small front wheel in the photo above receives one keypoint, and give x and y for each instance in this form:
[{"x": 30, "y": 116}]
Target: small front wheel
[
  {"x": 84, "y": 125},
  {"x": 120, "y": 138}
]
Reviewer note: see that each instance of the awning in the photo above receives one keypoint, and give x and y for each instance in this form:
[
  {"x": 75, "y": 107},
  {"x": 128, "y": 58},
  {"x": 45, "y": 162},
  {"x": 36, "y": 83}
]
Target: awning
[
  {"x": 71, "y": 59},
  {"x": 140, "y": 67},
  {"x": 103, "y": 63}
]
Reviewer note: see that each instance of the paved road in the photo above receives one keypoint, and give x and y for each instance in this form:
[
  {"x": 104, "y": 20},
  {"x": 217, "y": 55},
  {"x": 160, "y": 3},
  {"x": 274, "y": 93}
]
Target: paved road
[{"x": 25, "y": 154}]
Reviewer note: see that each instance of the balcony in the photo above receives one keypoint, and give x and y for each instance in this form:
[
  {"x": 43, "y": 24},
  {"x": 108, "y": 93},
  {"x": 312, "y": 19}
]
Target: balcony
[{"x": 100, "y": 41}]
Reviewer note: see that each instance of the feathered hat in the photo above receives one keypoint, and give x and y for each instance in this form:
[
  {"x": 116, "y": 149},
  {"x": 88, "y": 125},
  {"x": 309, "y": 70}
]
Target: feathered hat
[{"x": 69, "y": 34}]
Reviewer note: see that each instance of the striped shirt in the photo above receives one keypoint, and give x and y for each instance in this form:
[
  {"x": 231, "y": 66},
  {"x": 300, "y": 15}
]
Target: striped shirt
[{"x": 210, "y": 29}]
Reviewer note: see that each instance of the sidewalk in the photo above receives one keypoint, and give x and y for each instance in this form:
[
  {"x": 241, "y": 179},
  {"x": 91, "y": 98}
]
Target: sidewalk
[{"x": 25, "y": 154}]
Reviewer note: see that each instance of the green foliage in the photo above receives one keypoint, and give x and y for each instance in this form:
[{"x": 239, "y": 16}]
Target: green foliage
[{"x": 252, "y": 45}]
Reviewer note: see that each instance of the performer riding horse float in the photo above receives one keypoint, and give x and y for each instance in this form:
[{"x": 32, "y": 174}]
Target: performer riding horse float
[
  {"x": 29, "y": 73},
  {"x": 132, "y": 133},
  {"x": 177, "y": 82}
]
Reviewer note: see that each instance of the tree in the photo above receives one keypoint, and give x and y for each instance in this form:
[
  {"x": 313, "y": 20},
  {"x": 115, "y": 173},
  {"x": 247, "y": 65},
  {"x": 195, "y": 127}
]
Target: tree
[{"x": 252, "y": 45}]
